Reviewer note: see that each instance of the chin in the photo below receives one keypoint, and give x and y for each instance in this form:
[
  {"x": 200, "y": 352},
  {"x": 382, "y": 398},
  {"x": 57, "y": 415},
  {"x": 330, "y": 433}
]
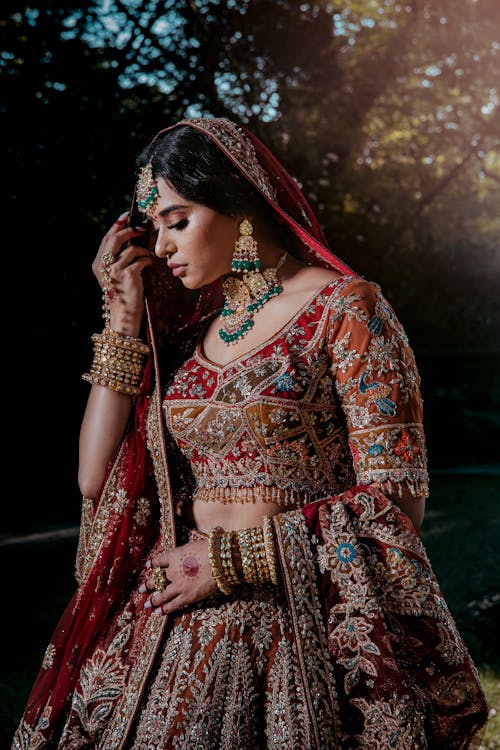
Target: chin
[{"x": 193, "y": 283}]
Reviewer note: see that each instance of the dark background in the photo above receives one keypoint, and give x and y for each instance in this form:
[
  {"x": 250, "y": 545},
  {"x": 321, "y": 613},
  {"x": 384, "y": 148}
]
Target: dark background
[{"x": 388, "y": 115}]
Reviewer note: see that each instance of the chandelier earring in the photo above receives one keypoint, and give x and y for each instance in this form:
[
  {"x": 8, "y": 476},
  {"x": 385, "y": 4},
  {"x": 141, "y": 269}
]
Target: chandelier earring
[
  {"x": 244, "y": 296},
  {"x": 245, "y": 257}
]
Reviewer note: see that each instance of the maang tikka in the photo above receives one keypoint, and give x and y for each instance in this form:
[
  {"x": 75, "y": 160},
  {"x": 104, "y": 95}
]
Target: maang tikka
[
  {"x": 244, "y": 296},
  {"x": 147, "y": 191}
]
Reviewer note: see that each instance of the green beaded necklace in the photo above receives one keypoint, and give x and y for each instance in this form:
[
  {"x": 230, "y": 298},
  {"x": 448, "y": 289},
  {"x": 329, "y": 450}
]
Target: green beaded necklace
[{"x": 243, "y": 297}]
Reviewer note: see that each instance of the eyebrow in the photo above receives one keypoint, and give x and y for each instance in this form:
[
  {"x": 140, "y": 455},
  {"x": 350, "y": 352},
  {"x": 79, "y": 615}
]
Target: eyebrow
[{"x": 169, "y": 209}]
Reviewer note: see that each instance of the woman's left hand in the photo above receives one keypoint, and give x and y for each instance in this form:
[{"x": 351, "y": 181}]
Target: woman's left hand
[{"x": 189, "y": 577}]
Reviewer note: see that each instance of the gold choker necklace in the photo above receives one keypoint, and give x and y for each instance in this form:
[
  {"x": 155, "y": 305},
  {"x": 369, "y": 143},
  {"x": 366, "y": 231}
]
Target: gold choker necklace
[{"x": 243, "y": 297}]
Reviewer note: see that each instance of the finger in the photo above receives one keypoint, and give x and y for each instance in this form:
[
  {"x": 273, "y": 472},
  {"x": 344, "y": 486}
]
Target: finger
[
  {"x": 148, "y": 585},
  {"x": 173, "y": 605},
  {"x": 119, "y": 223},
  {"x": 130, "y": 254},
  {"x": 122, "y": 219},
  {"x": 162, "y": 598},
  {"x": 162, "y": 560},
  {"x": 110, "y": 254},
  {"x": 118, "y": 236}
]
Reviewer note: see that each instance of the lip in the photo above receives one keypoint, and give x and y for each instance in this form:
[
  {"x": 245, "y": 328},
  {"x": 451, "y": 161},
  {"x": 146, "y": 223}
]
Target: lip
[{"x": 177, "y": 268}]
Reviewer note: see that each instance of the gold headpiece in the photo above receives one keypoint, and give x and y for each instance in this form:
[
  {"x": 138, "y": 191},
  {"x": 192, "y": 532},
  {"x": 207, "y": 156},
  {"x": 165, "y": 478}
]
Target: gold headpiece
[
  {"x": 234, "y": 141},
  {"x": 147, "y": 191}
]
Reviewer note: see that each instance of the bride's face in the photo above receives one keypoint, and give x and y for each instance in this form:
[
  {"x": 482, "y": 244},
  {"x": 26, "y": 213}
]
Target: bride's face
[{"x": 198, "y": 241}]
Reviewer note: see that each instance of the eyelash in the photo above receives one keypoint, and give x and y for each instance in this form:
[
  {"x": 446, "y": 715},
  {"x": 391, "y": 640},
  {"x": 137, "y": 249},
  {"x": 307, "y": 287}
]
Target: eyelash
[{"x": 179, "y": 225}]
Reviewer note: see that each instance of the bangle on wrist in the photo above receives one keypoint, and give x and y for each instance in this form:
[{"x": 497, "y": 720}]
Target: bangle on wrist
[
  {"x": 214, "y": 555},
  {"x": 270, "y": 548},
  {"x": 243, "y": 556},
  {"x": 118, "y": 362}
]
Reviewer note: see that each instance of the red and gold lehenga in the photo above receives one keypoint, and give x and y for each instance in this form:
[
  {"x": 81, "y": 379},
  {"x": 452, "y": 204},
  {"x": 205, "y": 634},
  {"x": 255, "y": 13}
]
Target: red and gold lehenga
[{"x": 356, "y": 649}]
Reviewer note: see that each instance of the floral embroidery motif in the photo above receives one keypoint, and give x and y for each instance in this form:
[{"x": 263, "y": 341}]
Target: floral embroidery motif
[
  {"x": 102, "y": 681},
  {"x": 407, "y": 447},
  {"x": 396, "y": 654},
  {"x": 205, "y": 688},
  {"x": 285, "y": 382},
  {"x": 277, "y": 418},
  {"x": 49, "y": 656},
  {"x": 143, "y": 512}
]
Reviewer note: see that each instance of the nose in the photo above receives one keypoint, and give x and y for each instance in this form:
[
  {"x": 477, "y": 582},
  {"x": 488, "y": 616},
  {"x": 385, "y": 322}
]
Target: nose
[{"x": 164, "y": 246}]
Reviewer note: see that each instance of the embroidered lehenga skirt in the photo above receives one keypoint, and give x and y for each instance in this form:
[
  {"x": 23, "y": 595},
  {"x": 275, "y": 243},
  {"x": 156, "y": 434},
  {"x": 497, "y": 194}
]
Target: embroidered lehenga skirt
[
  {"x": 356, "y": 650},
  {"x": 228, "y": 678}
]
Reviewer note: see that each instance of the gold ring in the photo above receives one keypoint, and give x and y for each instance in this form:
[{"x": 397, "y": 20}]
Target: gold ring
[
  {"x": 160, "y": 578},
  {"x": 107, "y": 260}
]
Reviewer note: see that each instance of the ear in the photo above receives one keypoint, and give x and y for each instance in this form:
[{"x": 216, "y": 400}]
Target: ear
[{"x": 240, "y": 219}]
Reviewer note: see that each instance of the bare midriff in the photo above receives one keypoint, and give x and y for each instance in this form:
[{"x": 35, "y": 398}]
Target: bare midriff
[{"x": 239, "y": 513}]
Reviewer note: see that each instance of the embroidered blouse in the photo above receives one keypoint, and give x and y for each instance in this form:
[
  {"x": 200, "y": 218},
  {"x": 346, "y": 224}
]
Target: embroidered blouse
[{"x": 331, "y": 400}]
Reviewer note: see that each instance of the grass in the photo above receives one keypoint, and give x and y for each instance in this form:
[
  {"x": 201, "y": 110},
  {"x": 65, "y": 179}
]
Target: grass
[{"x": 461, "y": 533}]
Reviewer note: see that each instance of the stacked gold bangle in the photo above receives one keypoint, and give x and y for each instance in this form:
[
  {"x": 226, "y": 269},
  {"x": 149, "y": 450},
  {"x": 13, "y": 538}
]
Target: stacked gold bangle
[
  {"x": 118, "y": 362},
  {"x": 253, "y": 548},
  {"x": 270, "y": 550},
  {"x": 214, "y": 555}
]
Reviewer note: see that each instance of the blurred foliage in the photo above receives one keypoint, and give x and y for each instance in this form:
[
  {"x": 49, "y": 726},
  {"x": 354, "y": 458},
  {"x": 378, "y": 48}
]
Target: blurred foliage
[{"x": 386, "y": 112}]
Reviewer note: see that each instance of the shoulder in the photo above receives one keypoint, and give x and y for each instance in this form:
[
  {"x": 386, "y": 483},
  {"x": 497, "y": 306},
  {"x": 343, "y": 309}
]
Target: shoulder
[
  {"x": 308, "y": 279},
  {"x": 355, "y": 293},
  {"x": 355, "y": 304}
]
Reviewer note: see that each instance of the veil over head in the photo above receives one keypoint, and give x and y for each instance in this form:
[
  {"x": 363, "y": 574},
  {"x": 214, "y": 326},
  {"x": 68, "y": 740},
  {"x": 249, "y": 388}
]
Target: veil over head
[
  {"x": 253, "y": 159},
  {"x": 106, "y": 561},
  {"x": 137, "y": 507}
]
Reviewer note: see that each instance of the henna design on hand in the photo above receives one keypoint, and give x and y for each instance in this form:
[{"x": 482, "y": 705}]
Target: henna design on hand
[{"x": 190, "y": 566}]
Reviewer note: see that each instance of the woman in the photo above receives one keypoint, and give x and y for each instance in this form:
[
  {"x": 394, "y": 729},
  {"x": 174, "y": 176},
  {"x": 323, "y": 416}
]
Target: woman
[{"x": 253, "y": 467}]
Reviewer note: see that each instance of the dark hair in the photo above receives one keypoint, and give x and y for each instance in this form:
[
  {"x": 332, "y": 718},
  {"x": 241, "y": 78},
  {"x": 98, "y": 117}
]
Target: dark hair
[{"x": 197, "y": 170}]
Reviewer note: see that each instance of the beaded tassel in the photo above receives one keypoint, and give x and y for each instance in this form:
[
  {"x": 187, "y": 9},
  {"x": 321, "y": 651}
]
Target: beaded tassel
[{"x": 244, "y": 297}]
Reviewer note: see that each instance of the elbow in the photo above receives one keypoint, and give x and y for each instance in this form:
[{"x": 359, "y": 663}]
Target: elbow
[{"x": 89, "y": 486}]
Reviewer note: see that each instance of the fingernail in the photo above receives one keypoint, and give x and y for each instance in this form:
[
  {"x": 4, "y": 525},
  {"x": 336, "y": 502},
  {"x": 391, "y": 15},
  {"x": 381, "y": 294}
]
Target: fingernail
[
  {"x": 147, "y": 604},
  {"x": 148, "y": 563},
  {"x": 122, "y": 216},
  {"x": 158, "y": 611},
  {"x": 139, "y": 229},
  {"x": 142, "y": 589}
]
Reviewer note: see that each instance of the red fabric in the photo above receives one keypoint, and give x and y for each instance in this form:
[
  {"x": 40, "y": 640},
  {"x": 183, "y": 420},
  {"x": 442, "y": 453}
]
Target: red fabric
[
  {"x": 400, "y": 664},
  {"x": 173, "y": 312},
  {"x": 92, "y": 606}
]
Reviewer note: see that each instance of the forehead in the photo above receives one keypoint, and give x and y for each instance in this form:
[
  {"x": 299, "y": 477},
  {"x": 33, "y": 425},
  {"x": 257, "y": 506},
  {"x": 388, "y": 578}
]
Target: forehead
[{"x": 167, "y": 194}]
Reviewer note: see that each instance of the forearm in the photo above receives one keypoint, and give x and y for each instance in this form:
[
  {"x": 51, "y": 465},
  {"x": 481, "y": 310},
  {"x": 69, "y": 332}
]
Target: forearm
[
  {"x": 412, "y": 505},
  {"x": 115, "y": 376},
  {"x": 104, "y": 422}
]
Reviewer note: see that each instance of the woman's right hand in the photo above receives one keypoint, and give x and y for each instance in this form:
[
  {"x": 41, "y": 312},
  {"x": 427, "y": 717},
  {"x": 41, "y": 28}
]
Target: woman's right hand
[{"x": 126, "y": 296}]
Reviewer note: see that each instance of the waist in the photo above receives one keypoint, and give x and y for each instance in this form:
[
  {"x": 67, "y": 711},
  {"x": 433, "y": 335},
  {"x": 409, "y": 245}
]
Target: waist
[{"x": 238, "y": 507}]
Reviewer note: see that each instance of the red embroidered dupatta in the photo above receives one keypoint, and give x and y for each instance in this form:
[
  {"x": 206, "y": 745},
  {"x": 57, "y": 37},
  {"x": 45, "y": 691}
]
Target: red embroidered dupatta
[{"x": 382, "y": 661}]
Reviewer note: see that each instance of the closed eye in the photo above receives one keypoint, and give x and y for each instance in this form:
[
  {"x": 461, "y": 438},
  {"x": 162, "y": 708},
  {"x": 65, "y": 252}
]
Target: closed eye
[{"x": 178, "y": 225}]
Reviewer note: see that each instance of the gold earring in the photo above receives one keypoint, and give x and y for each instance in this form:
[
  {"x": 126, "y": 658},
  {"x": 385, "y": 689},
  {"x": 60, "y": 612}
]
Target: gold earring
[
  {"x": 245, "y": 257},
  {"x": 243, "y": 297}
]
